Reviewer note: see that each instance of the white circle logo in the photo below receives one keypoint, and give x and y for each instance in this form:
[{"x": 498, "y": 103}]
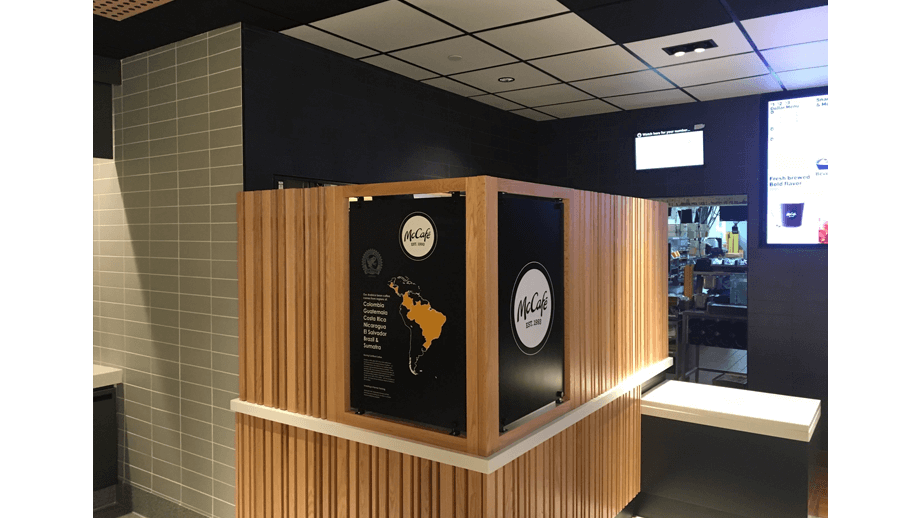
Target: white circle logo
[
  {"x": 418, "y": 236},
  {"x": 532, "y": 308}
]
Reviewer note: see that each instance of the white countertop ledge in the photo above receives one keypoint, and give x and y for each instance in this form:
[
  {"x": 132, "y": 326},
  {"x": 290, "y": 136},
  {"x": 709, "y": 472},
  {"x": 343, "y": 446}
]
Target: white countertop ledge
[
  {"x": 104, "y": 376},
  {"x": 786, "y": 417},
  {"x": 484, "y": 465}
]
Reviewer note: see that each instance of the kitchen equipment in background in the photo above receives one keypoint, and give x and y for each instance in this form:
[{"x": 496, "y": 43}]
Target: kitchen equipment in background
[
  {"x": 105, "y": 438},
  {"x": 733, "y": 238},
  {"x": 709, "y": 282},
  {"x": 738, "y": 289},
  {"x": 699, "y": 300}
]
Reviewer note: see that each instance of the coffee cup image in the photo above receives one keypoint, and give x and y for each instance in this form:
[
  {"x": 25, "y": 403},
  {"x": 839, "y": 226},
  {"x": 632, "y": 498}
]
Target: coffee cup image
[{"x": 791, "y": 214}]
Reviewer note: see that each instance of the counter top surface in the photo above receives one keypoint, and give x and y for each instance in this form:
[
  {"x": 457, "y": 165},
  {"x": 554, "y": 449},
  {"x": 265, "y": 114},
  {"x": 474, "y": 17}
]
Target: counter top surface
[
  {"x": 104, "y": 376},
  {"x": 737, "y": 409},
  {"x": 485, "y": 465}
]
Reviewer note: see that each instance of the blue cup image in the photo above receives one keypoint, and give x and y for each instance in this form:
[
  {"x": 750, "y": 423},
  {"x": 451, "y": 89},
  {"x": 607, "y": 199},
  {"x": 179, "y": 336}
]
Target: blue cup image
[{"x": 791, "y": 214}]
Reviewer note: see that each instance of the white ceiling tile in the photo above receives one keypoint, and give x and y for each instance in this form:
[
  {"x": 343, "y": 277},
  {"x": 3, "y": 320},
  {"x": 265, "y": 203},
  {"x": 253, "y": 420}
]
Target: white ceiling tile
[
  {"x": 590, "y": 63},
  {"x": 794, "y": 57},
  {"x": 728, "y": 38},
  {"x": 525, "y": 76},
  {"x": 498, "y": 102},
  {"x": 533, "y": 114},
  {"x": 387, "y": 26},
  {"x": 650, "y": 99},
  {"x": 476, "y": 15},
  {"x": 543, "y": 95},
  {"x": 714, "y": 70},
  {"x": 395, "y": 65},
  {"x": 328, "y": 41},
  {"x": 474, "y": 53},
  {"x": 736, "y": 88},
  {"x": 623, "y": 84},
  {"x": 807, "y": 78},
  {"x": 782, "y": 29},
  {"x": 564, "y": 33},
  {"x": 578, "y": 109},
  {"x": 450, "y": 85}
]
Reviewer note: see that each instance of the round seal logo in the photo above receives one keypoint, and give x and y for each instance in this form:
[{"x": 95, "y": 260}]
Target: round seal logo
[
  {"x": 532, "y": 308},
  {"x": 371, "y": 262},
  {"x": 418, "y": 236}
]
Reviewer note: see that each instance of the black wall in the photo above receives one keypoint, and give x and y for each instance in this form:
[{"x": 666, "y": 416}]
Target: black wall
[
  {"x": 787, "y": 288},
  {"x": 106, "y": 72},
  {"x": 102, "y": 121},
  {"x": 312, "y": 113}
]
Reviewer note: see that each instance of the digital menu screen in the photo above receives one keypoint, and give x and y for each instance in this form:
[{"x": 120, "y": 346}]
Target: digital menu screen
[
  {"x": 682, "y": 147},
  {"x": 797, "y": 171}
]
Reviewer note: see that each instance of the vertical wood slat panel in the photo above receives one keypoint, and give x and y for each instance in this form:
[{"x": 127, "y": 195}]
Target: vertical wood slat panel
[
  {"x": 282, "y": 325},
  {"x": 279, "y": 302},
  {"x": 267, "y": 273},
  {"x": 611, "y": 256},
  {"x": 621, "y": 345}
]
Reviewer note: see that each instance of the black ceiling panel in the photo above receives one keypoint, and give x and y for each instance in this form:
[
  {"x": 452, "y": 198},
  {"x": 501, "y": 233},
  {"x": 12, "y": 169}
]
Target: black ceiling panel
[
  {"x": 182, "y": 19},
  {"x": 580, "y": 5},
  {"x": 132, "y": 36},
  {"x": 637, "y": 20},
  {"x": 199, "y": 16},
  {"x": 306, "y": 11},
  {"x": 747, "y": 9}
]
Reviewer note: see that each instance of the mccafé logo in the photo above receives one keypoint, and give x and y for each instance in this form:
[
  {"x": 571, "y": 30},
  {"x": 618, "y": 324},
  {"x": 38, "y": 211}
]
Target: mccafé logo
[
  {"x": 418, "y": 236},
  {"x": 532, "y": 308},
  {"x": 791, "y": 214}
]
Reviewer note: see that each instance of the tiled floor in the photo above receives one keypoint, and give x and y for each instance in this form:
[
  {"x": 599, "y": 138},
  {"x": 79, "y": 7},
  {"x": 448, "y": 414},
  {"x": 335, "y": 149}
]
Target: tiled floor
[{"x": 734, "y": 360}]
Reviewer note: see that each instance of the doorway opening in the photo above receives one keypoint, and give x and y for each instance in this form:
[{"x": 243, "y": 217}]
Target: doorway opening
[{"x": 707, "y": 289}]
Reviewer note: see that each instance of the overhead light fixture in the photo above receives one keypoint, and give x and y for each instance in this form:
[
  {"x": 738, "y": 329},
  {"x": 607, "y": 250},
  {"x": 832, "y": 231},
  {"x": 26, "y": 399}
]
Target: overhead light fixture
[
  {"x": 505, "y": 79},
  {"x": 455, "y": 57},
  {"x": 697, "y": 46}
]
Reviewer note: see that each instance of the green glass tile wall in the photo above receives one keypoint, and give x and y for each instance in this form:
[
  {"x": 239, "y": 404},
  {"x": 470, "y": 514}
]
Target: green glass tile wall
[{"x": 164, "y": 268}]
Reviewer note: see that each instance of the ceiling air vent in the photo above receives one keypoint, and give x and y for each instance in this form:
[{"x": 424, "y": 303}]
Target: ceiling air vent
[{"x": 120, "y": 9}]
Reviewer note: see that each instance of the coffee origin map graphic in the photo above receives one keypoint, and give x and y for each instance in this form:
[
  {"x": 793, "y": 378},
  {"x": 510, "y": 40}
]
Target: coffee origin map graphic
[
  {"x": 407, "y": 335},
  {"x": 424, "y": 322}
]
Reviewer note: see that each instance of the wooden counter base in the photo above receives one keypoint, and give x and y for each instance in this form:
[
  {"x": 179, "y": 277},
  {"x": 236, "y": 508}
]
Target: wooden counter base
[{"x": 590, "y": 469}]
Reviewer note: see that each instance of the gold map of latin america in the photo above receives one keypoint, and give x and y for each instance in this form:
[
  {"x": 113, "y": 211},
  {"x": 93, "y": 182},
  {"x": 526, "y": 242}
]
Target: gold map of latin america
[{"x": 417, "y": 315}]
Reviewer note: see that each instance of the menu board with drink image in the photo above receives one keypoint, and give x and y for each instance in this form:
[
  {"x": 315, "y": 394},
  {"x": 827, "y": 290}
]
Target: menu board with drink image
[{"x": 798, "y": 173}]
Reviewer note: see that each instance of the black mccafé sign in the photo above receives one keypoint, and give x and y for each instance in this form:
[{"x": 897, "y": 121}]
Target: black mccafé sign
[
  {"x": 531, "y": 351},
  {"x": 407, "y": 295}
]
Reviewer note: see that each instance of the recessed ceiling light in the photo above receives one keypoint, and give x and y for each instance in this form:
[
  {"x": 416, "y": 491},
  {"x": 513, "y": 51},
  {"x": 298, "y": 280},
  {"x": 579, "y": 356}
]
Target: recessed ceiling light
[
  {"x": 505, "y": 79},
  {"x": 697, "y": 46},
  {"x": 455, "y": 57},
  {"x": 699, "y": 50}
]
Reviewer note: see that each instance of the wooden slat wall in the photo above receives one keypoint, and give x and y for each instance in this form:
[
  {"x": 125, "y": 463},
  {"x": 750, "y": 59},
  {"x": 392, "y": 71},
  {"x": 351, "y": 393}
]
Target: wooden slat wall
[
  {"x": 618, "y": 318},
  {"x": 590, "y": 470},
  {"x": 291, "y": 273},
  {"x": 282, "y": 282}
]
